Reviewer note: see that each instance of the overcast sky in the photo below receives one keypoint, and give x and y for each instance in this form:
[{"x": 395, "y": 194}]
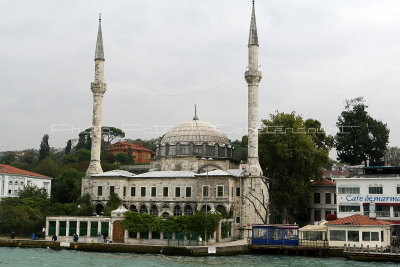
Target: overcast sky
[{"x": 165, "y": 56}]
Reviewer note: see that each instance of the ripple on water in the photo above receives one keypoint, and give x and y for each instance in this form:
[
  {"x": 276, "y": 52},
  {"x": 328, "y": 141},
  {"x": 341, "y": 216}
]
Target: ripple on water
[{"x": 48, "y": 257}]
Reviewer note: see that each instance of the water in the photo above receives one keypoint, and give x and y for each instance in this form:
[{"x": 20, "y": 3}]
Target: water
[{"x": 48, "y": 257}]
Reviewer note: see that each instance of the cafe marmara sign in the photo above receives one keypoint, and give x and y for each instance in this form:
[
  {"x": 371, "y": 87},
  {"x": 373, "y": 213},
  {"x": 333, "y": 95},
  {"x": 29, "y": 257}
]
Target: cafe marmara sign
[{"x": 368, "y": 198}]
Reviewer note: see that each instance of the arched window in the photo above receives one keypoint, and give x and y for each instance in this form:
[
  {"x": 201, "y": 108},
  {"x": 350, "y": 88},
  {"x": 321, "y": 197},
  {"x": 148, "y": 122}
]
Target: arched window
[
  {"x": 99, "y": 208},
  {"x": 143, "y": 209},
  {"x": 133, "y": 208},
  {"x": 154, "y": 210},
  {"x": 165, "y": 215},
  {"x": 172, "y": 150},
  {"x": 177, "y": 210},
  {"x": 188, "y": 210},
  {"x": 221, "y": 209},
  {"x": 204, "y": 208},
  {"x": 165, "y": 206},
  {"x": 184, "y": 150}
]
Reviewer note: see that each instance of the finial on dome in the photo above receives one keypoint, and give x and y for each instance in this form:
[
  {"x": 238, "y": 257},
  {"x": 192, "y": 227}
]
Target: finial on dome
[{"x": 195, "y": 118}]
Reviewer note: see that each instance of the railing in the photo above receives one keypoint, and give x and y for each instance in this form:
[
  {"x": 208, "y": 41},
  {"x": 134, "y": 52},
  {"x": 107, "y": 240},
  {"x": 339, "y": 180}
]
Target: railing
[
  {"x": 313, "y": 243},
  {"x": 382, "y": 213}
]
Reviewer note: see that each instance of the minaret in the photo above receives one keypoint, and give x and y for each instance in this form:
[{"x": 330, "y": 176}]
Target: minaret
[
  {"x": 98, "y": 87},
  {"x": 253, "y": 77}
]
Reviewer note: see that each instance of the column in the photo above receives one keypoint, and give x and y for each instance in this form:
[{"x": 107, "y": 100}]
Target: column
[
  {"x": 99, "y": 227},
  {"x": 47, "y": 228},
  {"x": 78, "y": 227},
  {"x": 57, "y": 226},
  {"x": 89, "y": 224},
  {"x": 67, "y": 230}
]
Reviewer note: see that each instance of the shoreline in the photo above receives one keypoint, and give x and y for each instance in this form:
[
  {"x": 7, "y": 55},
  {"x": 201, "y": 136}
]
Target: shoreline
[{"x": 221, "y": 249}]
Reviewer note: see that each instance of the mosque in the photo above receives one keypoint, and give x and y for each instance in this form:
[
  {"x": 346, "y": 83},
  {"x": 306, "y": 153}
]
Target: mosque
[{"x": 193, "y": 168}]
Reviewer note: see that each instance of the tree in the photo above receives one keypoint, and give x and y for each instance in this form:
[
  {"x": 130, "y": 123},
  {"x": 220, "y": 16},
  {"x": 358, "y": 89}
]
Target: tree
[
  {"x": 44, "y": 150},
  {"x": 393, "y": 156},
  {"x": 33, "y": 192},
  {"x": 292, "y": 154},
  {"x": 122, "y": 158},
  {"x": 47, "y": 167},
  {"x": 112, "y": 204},
  {"x": 240, "y": 149},
  {"x": 81, "y": 141},
  {"x": 68, "y": 147},
  {"x": 360, "y": 137},
  {"x": 108, "y": 134},
  {"x": 8, "y": 158},
  {"x": 66, "y": 188}
]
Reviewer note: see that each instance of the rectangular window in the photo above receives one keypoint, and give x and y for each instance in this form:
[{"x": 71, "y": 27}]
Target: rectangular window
[
  {"x": 62, "y": 231},
  {"x": 374, "y": 236},
  {"x": 153, "y": 191},
  {"x": 104, "y": 228},
  {"x": 238, "y": 191},
  {"x": 317, "y": 198},
  {"x": 353, "y": 236},
  {"x": 165, "y": 191},
  {"x": 337, "y": 235},
  {"x": 327, "y": 198},
  {"x": 111, "y": 189},
  {"x": 133, "y": 191},
  {"x": 344, "y": 208},
  {"x": 124, "y": 191},
  {"x": 220, "y": 190},
  {"x": 188, "y": 192},
  {"x": 375, "y": 190},
  {"x": 99, "y": 190},
  {"x": 349, "y": 190},
  {"x": 143, "y": 191},
  {"x": 94, "y": 229},
  {"x": 237, "y": 219},
  {"x": 334, "y": 198},
  {"x": 52, "y": 228},
  {"x": 232, "y": 191},
  {"x": 72, "y": 228},
  {"x": 317, "y": 215},
  {"x": 177, "y": 191},
  {"x": 366, "y": 236},
  {"x": 398, "y": 189},
  {"x": 83, "y": 228},
  {"x": 205, "y": 190}
]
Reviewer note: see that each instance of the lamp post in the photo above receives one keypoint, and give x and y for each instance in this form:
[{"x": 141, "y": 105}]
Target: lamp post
[{"x": 208, "y": 194}]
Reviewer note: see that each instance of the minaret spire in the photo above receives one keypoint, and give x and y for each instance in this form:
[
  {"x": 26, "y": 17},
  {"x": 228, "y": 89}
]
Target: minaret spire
[
  {"x": 253, "y": 37},
  {"x": 98, "y": 88},
  {"x": 99, "y": 44},
  {"x": 253, "y": 78}
]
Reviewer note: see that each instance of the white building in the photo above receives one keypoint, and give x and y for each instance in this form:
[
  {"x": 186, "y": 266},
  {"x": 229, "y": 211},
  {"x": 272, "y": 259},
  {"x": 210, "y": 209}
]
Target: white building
[
  {"x": 323, "y": 202},
  {"x": 13, "y": 179},
  {"x": 354, "y": 196},
  {"x": 358, "y": 230}
]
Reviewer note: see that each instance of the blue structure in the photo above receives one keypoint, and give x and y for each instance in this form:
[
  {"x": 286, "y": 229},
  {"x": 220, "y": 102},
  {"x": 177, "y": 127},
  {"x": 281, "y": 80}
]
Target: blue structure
[{"x": 277, "y": 235}]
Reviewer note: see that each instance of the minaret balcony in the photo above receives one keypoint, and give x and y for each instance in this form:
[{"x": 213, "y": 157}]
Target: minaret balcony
[
  {"x": 252, "y": 76},
  {"x": 251, "y": 73}
]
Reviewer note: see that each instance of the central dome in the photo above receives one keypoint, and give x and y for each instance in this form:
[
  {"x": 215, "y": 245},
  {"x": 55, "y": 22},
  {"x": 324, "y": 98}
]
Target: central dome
[{"x": 195, "y": 131}]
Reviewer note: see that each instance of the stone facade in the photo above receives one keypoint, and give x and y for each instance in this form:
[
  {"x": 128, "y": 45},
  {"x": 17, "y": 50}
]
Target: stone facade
[{"x": 193, "y": 168}]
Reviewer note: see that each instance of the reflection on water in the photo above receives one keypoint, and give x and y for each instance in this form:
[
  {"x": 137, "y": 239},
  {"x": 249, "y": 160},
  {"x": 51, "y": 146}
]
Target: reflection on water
[{"x": 49, "y": 257}]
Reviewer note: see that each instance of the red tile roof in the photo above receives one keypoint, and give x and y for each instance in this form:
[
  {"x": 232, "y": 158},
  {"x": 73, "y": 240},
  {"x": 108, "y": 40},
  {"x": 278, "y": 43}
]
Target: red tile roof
[
  {"x": 133, "y": 146},
  {"x": 358, "y": 219},
  {"x": 324, "y": 182},
  {"x": 12, "y": 170}
]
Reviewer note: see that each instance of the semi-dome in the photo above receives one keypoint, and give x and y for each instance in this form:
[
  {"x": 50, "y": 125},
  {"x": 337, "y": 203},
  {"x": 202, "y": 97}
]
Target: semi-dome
[{"x": 195, "y": 131}]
